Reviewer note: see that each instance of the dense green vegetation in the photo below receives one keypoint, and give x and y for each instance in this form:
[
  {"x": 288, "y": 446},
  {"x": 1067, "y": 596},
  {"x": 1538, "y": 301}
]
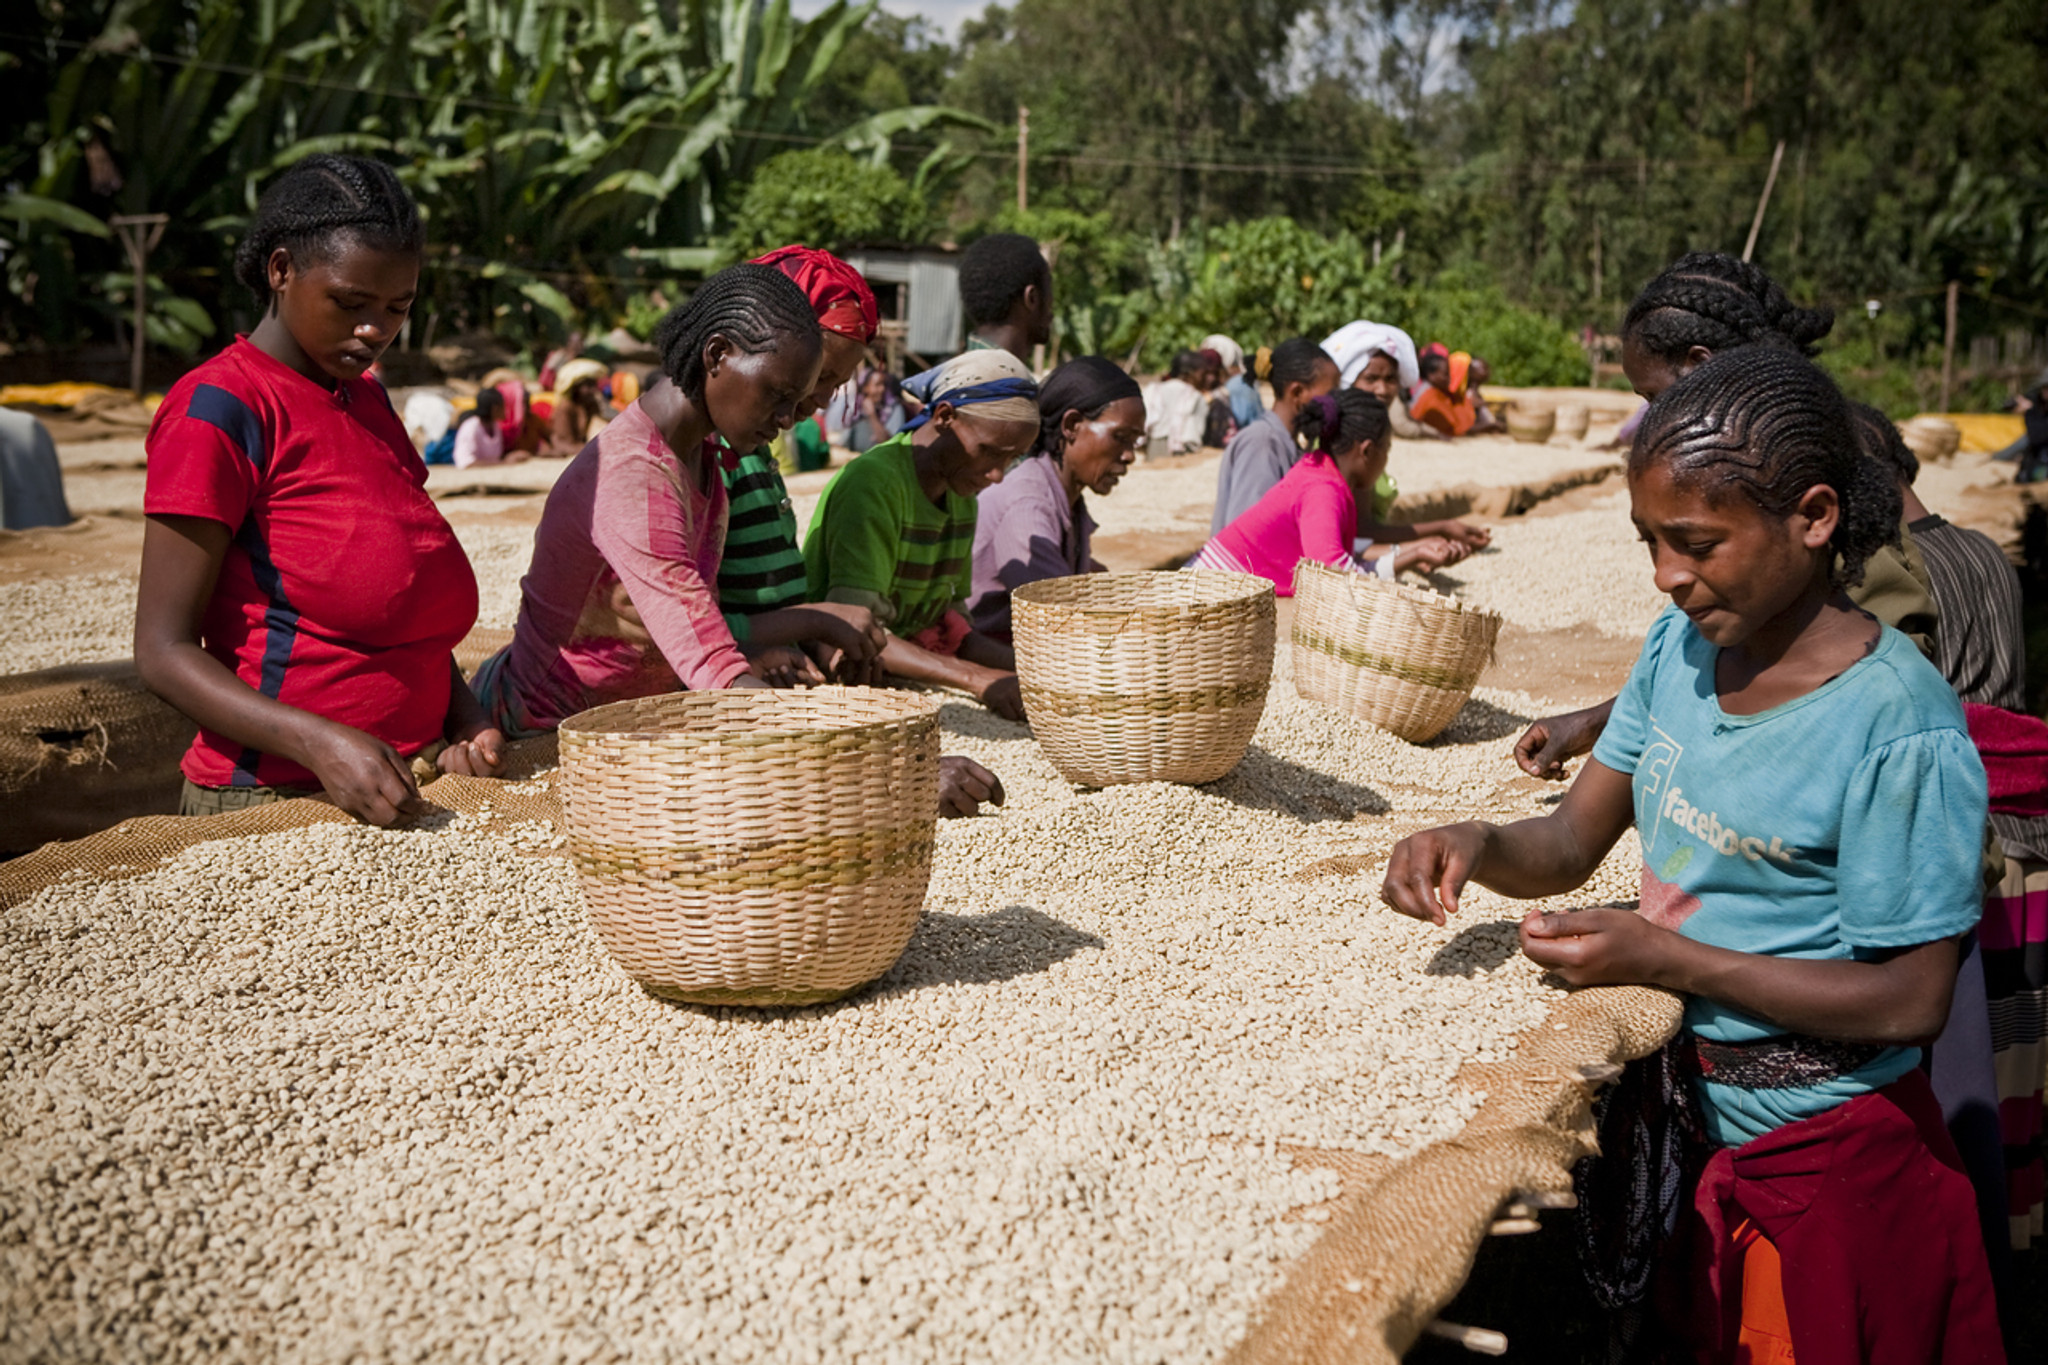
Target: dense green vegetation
[{"x": 1501, "y": 174}]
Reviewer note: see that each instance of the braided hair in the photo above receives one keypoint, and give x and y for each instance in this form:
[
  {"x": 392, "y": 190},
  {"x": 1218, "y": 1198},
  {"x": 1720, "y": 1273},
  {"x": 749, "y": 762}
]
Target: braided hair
[
  {"x": 994, "y": 273},
  {"x": 751, "y": 306},
  {"x": 1294, "y": 362},
  {"x": 1768, "y": 423},
  {"x": 1882, "y": 442},
  {"x": 322, "y": 202},
  {"x": 1087, "y": 384},
  {"x": 1337, "y": 422},
  {"x": 1713, "y": 300}
]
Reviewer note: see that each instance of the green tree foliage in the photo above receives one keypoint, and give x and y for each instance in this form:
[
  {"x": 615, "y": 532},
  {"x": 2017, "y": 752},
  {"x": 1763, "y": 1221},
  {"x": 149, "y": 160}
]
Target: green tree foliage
[
  {"x": 1618, "y": 133},
  {"x": 827, "y": 198},
  {"x": 1263, "y": 281},
  {"x": 1162, "y": 112},
  {"x": 562, "y": 149}
]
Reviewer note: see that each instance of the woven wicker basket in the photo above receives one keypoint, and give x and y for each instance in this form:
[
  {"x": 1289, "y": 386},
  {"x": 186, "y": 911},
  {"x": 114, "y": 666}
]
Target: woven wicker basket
[
  {"x": 754, "y": 847},
  {"x": 1572, "y": 421},
  {"x": 1144, "y": 677},
  {"x": 1403, "y": 658},
  {"x": 1531, "y": 424}
]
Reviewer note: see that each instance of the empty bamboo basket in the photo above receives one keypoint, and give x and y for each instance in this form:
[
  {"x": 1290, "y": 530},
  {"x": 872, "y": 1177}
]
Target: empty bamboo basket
[
  {"x": 1144, "y": 677},
  {"x": 1572, "y": 421},
  {"x": 753, "y": 847},
  {"x": 1402, "y": 658},
  {"x": 1531, "y": 424}
]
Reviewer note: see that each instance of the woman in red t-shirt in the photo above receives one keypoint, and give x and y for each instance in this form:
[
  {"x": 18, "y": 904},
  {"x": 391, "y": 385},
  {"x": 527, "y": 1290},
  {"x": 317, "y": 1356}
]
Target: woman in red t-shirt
[{"x": 301, "y": 595}]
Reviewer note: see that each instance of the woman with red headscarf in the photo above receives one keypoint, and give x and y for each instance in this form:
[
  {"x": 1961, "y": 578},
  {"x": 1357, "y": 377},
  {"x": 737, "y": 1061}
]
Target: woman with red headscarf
[{"x": 761, "y": 583}]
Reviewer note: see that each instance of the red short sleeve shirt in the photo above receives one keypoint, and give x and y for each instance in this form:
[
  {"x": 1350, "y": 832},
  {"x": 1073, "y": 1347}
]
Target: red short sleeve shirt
[{"x": 344, "y": 589}]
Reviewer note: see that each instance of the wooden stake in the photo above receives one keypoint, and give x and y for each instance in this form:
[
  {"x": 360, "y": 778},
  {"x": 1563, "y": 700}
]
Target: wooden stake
[
  {"x": 1479, "y": 1340},
  {"x": 140, "y": 232},
  {"x": 1948, "y": 348},
  {"x": 1023, "y": 156},
  {"x": 1757, "y": 224}
]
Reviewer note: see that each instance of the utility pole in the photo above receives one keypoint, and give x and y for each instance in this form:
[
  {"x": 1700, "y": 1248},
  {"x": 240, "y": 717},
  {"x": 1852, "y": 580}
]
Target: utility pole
[
  {"x": 1023, "y": 156},
  {"x": 1757, "y": 224},
  {"x": 1948, "y": 348},
  {"x": 140, "y": 232}
]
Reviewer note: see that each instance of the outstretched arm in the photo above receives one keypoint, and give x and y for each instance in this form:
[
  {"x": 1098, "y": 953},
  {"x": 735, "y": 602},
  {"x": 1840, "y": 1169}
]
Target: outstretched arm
[
  {"x": 1545, "y": 856},
  {"x": 1546, "y": 746}
]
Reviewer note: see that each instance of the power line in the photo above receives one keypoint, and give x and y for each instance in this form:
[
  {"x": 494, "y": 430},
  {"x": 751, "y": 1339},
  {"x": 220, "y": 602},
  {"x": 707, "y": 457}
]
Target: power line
[{"x": 1311, "y": 165}]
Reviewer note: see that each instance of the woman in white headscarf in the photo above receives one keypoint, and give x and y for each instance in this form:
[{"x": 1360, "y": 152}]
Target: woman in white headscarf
[
  {"x": 1238, "y": 386},
  {"x": 1380, "y": 358}
]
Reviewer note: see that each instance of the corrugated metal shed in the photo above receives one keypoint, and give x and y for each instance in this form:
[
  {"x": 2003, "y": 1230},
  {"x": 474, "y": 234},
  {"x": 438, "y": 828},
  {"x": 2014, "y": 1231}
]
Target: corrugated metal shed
[
  {"x": 928, "y": 296},
  {"x": 934, "y": 304}
]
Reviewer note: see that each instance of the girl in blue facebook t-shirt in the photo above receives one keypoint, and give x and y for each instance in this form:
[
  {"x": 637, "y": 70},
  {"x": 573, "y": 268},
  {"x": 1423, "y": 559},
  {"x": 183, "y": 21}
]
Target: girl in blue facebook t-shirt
[{"x": 1811, "y": 813}]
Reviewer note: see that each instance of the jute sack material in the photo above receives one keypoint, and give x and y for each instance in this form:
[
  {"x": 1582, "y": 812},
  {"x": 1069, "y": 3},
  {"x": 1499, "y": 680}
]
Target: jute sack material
[
  {"x": 1402, "y": 658},
  {"x": 1144, "y": 677},
  {"x": 479, "y": 645},
  {"x": 85, "y": 746},
  {"x": 754, "y": 847},
  {"x": 136, "y": 846},
  {"x": 82, "y": 747},
  {"x": 1396, "y": 1253}
]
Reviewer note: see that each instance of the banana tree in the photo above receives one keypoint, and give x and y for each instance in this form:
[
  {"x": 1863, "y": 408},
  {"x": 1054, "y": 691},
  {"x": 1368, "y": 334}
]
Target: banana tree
[{"x": 561, "y": 149}]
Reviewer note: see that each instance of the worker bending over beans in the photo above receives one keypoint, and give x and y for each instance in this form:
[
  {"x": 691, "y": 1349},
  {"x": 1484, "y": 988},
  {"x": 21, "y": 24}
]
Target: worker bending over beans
[
  {"x": 1809, "y": 910},
  {"x": 301, "y": 595}
]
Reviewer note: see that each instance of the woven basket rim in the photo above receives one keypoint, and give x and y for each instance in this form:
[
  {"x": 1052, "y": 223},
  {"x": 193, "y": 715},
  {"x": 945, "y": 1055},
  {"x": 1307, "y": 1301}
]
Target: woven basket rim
[
  {"x": 1426, "y": 598},
  {"x": 609, "y": 720},
  {"x": 1210, "y": 588}
]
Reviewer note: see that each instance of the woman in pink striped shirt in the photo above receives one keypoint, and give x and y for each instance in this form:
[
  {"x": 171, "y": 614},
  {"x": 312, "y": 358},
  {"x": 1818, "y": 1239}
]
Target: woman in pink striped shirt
[{"x": 1312, "y": 513}]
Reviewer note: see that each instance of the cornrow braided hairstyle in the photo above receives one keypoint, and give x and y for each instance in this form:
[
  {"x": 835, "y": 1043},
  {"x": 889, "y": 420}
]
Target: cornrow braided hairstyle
[
  {"x": 1711, "y": 299},
  {"x": 1087, "y": 384},
  {"x": 1295, "y": 362},
  {"x": 317, "y": 206},
  {"x": 1883, "y": 443},
  {"x": 994, "y": 273},
  {"x": 751, "y": 306},
  {"x": 1769, "y": 424},
  {"x": 1337, "y": 422}
]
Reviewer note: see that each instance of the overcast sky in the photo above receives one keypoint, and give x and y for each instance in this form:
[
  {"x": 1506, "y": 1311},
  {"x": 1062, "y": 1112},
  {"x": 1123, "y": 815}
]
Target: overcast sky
[{"x": 943, "y": 14}]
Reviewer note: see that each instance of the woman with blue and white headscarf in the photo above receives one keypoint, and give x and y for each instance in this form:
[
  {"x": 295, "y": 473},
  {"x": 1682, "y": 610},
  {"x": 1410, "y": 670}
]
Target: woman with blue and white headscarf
[{"x": 894, "y": 531}]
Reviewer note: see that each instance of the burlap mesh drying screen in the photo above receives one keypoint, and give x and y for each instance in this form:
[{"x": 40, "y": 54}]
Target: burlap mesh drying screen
[
  {"x": 526, "y": 792},
  {"x": 1394, "y": 1254},
  {"x": 82, "y": 746}
]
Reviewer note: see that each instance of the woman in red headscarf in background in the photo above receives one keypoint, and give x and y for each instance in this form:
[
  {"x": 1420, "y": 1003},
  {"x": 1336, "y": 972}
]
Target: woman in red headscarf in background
[
  {"x": 761, "y": 580},
  {"x": 761, "y": 583}
]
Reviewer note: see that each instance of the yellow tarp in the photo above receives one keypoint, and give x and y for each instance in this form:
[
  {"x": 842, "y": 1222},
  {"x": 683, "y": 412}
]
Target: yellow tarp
[
  {"x": 1984, "y": 432},
  {"x": 69, "y": 395}
]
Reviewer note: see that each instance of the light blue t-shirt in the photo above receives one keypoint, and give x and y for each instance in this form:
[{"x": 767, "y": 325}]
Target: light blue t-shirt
[
  {"x": 1847, "y": 820},
  {"x": 1245, "y": 403}
]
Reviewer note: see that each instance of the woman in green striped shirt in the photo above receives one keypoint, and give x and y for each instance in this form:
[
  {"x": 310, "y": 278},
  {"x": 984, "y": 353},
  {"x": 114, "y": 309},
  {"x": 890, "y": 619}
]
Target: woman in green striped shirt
[{"x": 761, "y": 583}]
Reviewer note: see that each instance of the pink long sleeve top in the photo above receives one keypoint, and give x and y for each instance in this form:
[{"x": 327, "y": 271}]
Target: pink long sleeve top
[
  {"x": 620, "y": 600},
  {"x": 1310, "y": 514}
]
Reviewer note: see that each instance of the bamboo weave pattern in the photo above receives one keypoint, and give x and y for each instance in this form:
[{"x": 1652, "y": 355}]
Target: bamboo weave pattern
[
  {"x": 754, "y": 847},
  {"x": 1144, "y": 677},
  {"x": 1399, "y": 657}
]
